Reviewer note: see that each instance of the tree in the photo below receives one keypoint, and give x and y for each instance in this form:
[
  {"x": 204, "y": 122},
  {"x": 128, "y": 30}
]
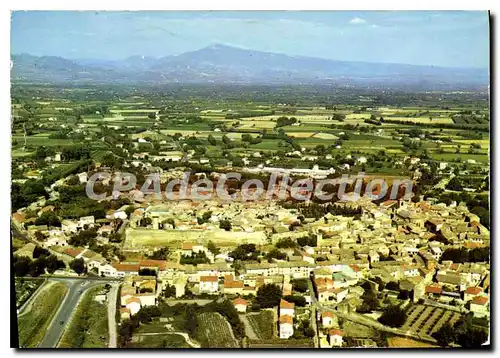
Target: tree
[
  {"x": 300, "y": 285},
  {"x": 225, "y": 224},
  {"x": 393, "y": 316},
  {"x": 40, "y": 251},
  {"x": 211, "y": 140},
  {"x": 445, "y": 335},
  {"x": 48, "y": 218},
  {"x": 472, "y": 337},
  {"x": 454, "y": 184},
  {"x": 268, "y": 295},
  {"x": 299, "y": 301},
  {"x": 212, "y": 248},
  {"x": 160, "y": 254},
  {"x": 276, "y": 254},
  {"x": 53, "y": 264},
  {"x": 21, "y": 265},
  {"x": 77, "y": 265}
]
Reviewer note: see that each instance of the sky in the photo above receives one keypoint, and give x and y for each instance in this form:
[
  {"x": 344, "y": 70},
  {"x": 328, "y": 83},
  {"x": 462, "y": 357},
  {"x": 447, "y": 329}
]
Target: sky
[{"x": 439, "y": 38}]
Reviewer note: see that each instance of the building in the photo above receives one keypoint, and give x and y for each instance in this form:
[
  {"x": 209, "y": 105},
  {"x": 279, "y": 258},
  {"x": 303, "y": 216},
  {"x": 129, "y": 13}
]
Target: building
[
  {"x": 209, "y": 284},
  {"x": 479, "y": 306},
  {"x": 240, "y": 304},
  {"x": 287, "y": 308},
  {"x": 286, "y": 326},
  {"x": 335, "y": 337}
]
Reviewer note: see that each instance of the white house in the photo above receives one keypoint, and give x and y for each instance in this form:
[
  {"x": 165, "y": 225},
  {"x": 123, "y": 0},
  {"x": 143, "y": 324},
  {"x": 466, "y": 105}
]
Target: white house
[
  {"x": 286, "y": 326},
  {"x": 336, "y": 337},
  {"x": 287, "y": 308},
  {"x": 240, "y": 304},
  {"x": 209, "y": 284},
  {"x": 133, "y": 304}
]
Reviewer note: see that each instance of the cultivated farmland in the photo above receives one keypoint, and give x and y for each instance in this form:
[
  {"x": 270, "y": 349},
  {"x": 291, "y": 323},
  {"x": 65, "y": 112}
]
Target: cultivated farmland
[{"x": 214, "y": 331}]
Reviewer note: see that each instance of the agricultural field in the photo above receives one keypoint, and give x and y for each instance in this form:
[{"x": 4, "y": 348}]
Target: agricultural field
[
  {"x": 88, "y": 327},
  {"x": 25, "y": 288},
  {"x": 425, "y": 320},
  {"x": 400, "y": 342},
  {"x": 262, "y": 324},
  {"x": 167, "y": 340},
  {"x": 214, "y": 331},
  {"x": 36, "y": 317}
]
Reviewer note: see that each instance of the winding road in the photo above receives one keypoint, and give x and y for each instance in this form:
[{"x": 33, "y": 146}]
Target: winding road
[{"x": 76, "y": 289}]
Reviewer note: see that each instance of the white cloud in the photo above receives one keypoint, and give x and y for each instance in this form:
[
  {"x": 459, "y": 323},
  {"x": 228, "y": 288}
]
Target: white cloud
[{"x": 357, "y": 21}]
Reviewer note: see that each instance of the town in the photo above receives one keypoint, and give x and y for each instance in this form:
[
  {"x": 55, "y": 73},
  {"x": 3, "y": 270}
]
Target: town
[{"x": 355, "y": 209}]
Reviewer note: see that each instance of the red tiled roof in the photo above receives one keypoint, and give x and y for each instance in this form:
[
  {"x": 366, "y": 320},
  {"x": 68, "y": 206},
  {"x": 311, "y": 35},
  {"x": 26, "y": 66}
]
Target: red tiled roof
[
  {"x": 480, "y": 300},
  {"x": 286, "y": 319},
  {"x": 208, "y": 278},
  {"x": 240, "y": 301},
  {"x": 286, "y": 304},
  {"x": 335, "y": 332},
  {"x": 187, "y": 246},
  {"x": 327, "y": 314},
  {"x": 473, "y": 290},
  {"x": 433, "y": 289},
  {"x": 355, "y": 268},
  {"x": 124, "y": 310},
  {"x": 234, "y": 284},
  {"x": 125, "y": 267},
  {"x": 132, "y": 300},
  {"x": 73, "y": 252},
  {"x": 153, "y": 263}
]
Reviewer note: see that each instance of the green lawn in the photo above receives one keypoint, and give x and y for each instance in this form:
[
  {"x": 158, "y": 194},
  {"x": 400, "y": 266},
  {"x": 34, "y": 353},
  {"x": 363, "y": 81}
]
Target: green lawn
[{"x": 33, "y": 324}]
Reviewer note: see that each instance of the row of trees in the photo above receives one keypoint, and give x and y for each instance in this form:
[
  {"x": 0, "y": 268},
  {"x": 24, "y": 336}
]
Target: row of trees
[{"x": 463, "y": 333}]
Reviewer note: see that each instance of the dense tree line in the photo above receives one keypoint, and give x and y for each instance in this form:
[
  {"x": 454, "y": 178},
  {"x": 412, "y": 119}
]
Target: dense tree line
[
  {"x": 43, "y": 262},
  {"x": 463, "y": 333}
]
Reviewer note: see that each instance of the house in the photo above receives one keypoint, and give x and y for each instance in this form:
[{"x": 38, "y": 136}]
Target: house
[
  {"x": 69, "y": 225},
  {"x": 434, "y": 291},
  {"x": 86, "y": 220},
  {"x": 233, "y": 287},
  {"x": 471, "y": 292},
  {"x": 479, "y": 306},
  {"x": 286, "y": 326},
  {"x": 124, "y": 313},
  {"x": 335, "y": 337},
  {"x": 287, "y": 308},
  {"x": 133, "y": 304},
  {"x": 240, "y": 304},
  {"x": 209, "y": 284},
  {"x": 328, "y": 319}
]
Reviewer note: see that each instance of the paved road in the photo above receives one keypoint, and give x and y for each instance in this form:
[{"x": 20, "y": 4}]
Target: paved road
[
  {"x": 112, "y": 298},
  {"x": 76, "y": 288}
]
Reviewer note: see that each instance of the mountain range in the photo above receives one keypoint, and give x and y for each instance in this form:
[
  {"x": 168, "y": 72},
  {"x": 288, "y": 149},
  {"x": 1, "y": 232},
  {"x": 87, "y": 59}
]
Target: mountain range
[{"x": 221, "y": 64}]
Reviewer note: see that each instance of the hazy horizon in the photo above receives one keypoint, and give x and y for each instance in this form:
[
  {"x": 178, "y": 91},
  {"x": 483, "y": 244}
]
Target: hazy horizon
[{"x": 427, "y": 38}]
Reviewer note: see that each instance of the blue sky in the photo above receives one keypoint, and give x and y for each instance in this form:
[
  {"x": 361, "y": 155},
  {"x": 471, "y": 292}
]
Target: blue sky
[{"x": 440, "y": 38}]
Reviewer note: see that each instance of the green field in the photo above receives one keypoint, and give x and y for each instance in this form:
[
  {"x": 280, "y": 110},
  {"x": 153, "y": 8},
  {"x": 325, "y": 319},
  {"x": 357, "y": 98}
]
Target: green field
[
  {"x": 261, "y": 324},
  {"x": 33, "y": 323},
  {"x": 215, "y": 332}
]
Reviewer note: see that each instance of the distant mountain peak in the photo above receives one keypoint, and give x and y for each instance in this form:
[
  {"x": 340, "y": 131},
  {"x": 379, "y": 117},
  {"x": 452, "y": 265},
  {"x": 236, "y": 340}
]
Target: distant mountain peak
[{"x": 223, "y": 63}]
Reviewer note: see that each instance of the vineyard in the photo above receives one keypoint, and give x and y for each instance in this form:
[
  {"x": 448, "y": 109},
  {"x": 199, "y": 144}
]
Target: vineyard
[
  {"x": 262, "y": 324},
  {"x": 215, "y": 332}
]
